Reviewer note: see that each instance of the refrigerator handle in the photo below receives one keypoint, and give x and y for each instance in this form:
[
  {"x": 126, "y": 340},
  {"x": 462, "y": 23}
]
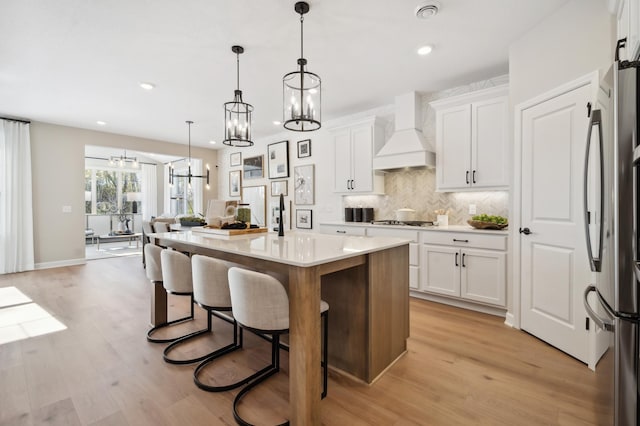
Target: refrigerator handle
[
  {"x": 595, "y": 120},
  {"x": 605, "y": 324}
]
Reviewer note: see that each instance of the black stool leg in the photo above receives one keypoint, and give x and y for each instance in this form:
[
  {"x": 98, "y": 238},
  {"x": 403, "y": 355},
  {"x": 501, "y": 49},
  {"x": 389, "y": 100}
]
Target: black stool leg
[
  {"x": 325, "y": 354},
  {"x": 260, "y": 377},
  {"x": 167, "y": 324}
]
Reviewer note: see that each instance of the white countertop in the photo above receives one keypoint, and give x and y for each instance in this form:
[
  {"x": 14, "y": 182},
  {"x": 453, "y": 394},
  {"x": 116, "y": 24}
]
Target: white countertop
[
  {"x": 295, "y": 248},
  {"x": 450, "y": 228}
]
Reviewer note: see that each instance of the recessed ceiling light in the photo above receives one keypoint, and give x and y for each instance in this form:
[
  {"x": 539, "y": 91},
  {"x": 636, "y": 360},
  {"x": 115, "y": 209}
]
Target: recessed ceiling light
[
  {"x": 147, "y": 86},
  {"x": 212, "y": 142},
  {"x": 424, "y": 50},
  {"x": 427, "y": 10},
  {"x": 101, "y": 123},
  {"x": 277, "y": 123}
]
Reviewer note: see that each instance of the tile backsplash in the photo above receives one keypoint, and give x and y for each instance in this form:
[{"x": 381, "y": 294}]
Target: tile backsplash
[{"x": 415, "y": 189}]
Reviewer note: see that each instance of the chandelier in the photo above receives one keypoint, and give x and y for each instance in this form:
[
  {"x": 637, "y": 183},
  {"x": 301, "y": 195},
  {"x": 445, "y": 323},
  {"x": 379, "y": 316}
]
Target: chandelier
[
  {"x": 189, "y": 176},
  {"x": 237, "y": 114},
  {"x": 301, "y": 90},
  {"x": 123, "y": 160}
]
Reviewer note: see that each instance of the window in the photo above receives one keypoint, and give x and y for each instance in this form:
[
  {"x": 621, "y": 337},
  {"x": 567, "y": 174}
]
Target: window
[
  {"x": 180, "y": 193},
  {"x": 106, "y": 190}
]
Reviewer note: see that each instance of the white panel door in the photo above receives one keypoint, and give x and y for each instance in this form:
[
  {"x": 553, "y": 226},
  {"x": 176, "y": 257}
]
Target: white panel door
[
  {"x": 342, "y": 160},
  {"x": 489, "y": 144},
  {"x": 361, "y": 158},
  {"x": 483, "y": 276},
  {"x": 554, "y": 267},
  {"x": 453, "y": 156},
  {"x": 441, "y": 269}
]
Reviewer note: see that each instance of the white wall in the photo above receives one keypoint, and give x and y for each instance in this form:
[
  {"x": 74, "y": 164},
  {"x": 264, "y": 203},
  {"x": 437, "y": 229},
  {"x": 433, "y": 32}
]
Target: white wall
[
  {"x": 575, "y": 40},
  {"x": 58, "y": 180}
]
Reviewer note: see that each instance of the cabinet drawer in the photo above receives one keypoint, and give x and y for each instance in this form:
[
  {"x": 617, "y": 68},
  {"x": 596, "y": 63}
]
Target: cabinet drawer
[
  {"x": 372, "y": 231},
  {"x": 343, "y": 230},
  {"x": 414, "y": 258},
  {"x": 463, "y": 239}
]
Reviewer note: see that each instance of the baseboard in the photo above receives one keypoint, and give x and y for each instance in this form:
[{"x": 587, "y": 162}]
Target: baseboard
[
  {"x": 509, "y": 320},
  {"x": 60, "y": 263},
  {"x": 485, "y": 309}
]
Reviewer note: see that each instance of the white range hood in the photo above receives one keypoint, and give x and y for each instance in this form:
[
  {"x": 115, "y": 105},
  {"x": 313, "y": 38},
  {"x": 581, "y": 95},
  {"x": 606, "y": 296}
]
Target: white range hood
[{"x": 407, "y": 147}]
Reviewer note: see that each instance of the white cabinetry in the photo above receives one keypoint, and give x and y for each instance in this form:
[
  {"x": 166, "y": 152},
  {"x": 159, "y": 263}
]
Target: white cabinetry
[
  {"x": 472, "y": 141},
  {"x": 342, "y": 230},
  {"x": 628, "y": 19},
  {"x": 465, "y": 265},
  {"x": 414, "y": 258},
  {"x": 354, "y": 148}
]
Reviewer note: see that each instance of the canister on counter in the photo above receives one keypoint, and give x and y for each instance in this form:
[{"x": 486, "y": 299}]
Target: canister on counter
[
  {"x": 357, "y": 214},
  {"x": 348, "y": 214},
  {"x": 367, "y": 214}
]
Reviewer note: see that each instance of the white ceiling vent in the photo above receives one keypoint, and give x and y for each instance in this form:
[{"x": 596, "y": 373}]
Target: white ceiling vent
[{"x": 427, "y": 10}]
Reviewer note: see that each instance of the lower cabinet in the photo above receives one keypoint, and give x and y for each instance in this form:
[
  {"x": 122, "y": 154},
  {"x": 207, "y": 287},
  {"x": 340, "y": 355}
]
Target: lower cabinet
[
  {"x": 344, "y": 230},
  {"x": 473, "y": 274}
]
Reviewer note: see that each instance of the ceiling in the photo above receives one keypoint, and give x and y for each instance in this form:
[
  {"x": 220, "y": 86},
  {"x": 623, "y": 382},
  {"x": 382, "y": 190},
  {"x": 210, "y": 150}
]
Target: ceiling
[{"x": 74, "y": 62}]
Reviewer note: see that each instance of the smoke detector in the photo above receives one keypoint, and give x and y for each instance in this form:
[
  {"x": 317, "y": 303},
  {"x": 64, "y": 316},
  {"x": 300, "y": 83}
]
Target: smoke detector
[{"x": 427, "y": 10}]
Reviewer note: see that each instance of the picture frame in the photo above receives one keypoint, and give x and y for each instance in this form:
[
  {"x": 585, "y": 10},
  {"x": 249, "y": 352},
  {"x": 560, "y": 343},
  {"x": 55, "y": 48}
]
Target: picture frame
[
  {"x": 304, "y": 219},
  {"x": 275, "y": 215},
  {"x": 304, "y": 183},
  {"x": 235, "y": 183},
  {"x": 278, "y": 160},
  {"x": 235, "y": 159},
  {"x": 279, "y": 187},
  {"x": 304, "y": 148},
  {"x": 253, "y": 167}
]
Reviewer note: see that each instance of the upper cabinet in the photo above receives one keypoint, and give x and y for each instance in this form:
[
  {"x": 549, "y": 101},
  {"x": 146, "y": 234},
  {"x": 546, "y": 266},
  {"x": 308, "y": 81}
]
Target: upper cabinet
[
  {"x": 354, "y": 147},
  {"x": 472, "y": 144},
  {"x": 628, "y": 19}
]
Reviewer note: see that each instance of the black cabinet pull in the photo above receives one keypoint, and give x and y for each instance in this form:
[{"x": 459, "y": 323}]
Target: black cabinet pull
[
  {"x": 460, "y": 241},
  {"x": 473, "y": 177},
  {"x": 525, "y": 231},
  {"x": 341, "y": 232},
  {"x": 463, "y": 255},
  {"x": 353, "y": 184},
  {"x": 457, "y": 259},
  {"x": 466, "y": 177}
]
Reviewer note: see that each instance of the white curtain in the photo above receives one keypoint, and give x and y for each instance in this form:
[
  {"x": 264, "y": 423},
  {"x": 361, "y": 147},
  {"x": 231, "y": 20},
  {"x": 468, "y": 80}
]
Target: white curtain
[
  {"x": 149, "y": 191},
  {"x": 16, "y": 206}
]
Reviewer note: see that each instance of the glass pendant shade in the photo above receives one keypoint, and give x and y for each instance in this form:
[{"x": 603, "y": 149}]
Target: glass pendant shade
[
  {"x": 237, "y": 114},
  {"x": 301, "y": 90}
]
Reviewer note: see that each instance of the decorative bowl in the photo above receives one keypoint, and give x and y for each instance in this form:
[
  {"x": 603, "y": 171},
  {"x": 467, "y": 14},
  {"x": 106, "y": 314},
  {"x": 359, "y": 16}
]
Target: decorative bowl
[{"x": 486, "y": 225}]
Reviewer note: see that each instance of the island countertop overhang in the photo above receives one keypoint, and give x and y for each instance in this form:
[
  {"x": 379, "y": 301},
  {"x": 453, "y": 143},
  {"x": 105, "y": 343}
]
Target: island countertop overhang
[{"x": 303, "y": 249}]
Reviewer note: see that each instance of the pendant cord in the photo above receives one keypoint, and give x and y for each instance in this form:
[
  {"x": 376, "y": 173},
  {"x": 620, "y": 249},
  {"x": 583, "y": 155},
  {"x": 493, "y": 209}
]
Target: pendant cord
[
  {"x": 301, "y": 35},
  {"x": 238, "y": 71}
]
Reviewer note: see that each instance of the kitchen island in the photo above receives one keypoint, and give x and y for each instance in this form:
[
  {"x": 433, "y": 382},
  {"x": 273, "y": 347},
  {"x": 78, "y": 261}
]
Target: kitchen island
[{"x": 364, "y": 280}]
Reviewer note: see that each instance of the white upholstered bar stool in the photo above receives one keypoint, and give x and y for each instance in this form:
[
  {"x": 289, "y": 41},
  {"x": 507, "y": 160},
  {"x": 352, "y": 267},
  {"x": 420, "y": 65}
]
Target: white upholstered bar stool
[
  {"x": 260, "y": 304},
  {"x": 211, "y": 292}
]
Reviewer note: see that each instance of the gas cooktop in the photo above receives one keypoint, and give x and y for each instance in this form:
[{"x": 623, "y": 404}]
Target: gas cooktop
[{"x": 402, "y": 223}]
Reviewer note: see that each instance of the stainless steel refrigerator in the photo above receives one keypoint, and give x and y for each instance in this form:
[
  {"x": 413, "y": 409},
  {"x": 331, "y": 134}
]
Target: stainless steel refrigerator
[{"x": 612, "y": 188}]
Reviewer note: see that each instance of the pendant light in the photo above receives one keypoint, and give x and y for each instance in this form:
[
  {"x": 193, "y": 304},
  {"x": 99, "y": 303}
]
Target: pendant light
[
  {"x": 189, "y": 176},
  {"x": 301, "y": 90},
  {"x": 237, "y": 114}
]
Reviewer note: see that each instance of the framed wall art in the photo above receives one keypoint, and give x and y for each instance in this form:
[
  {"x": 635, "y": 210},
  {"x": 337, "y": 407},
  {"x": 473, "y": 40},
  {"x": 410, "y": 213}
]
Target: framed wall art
[
  {"x": 252, "y": 167},
  {"x": 235, "y": 183},
  {"x": 278, "y": 155},
  {"x": 304, "y": 219},
  {"x": 235, "y": 159},
  {"x": 279, "y": 187},
  {"x": 304, "y": 181},
  {"x": 304, "y": 148}
]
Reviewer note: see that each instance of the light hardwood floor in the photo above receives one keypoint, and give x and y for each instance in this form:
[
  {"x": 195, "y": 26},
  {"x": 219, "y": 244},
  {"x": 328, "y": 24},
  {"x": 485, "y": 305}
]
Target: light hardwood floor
[{"x": 462, "y": 367}]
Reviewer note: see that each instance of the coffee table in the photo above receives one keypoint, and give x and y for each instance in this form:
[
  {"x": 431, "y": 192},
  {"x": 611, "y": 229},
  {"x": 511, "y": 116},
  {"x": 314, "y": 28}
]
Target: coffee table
[{"x": 132, "y": 237}]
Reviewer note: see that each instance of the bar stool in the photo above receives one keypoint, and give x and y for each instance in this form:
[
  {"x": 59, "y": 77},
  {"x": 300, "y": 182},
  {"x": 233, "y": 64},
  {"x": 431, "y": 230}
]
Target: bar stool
[
  {"x": 211, "y": 292},
  {"x": 260, "y": 304}
]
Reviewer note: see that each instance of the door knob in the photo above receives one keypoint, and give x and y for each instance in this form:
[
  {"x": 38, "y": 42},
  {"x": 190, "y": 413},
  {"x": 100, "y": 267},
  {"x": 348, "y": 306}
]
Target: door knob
[{"x": 525, "y": 231}]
